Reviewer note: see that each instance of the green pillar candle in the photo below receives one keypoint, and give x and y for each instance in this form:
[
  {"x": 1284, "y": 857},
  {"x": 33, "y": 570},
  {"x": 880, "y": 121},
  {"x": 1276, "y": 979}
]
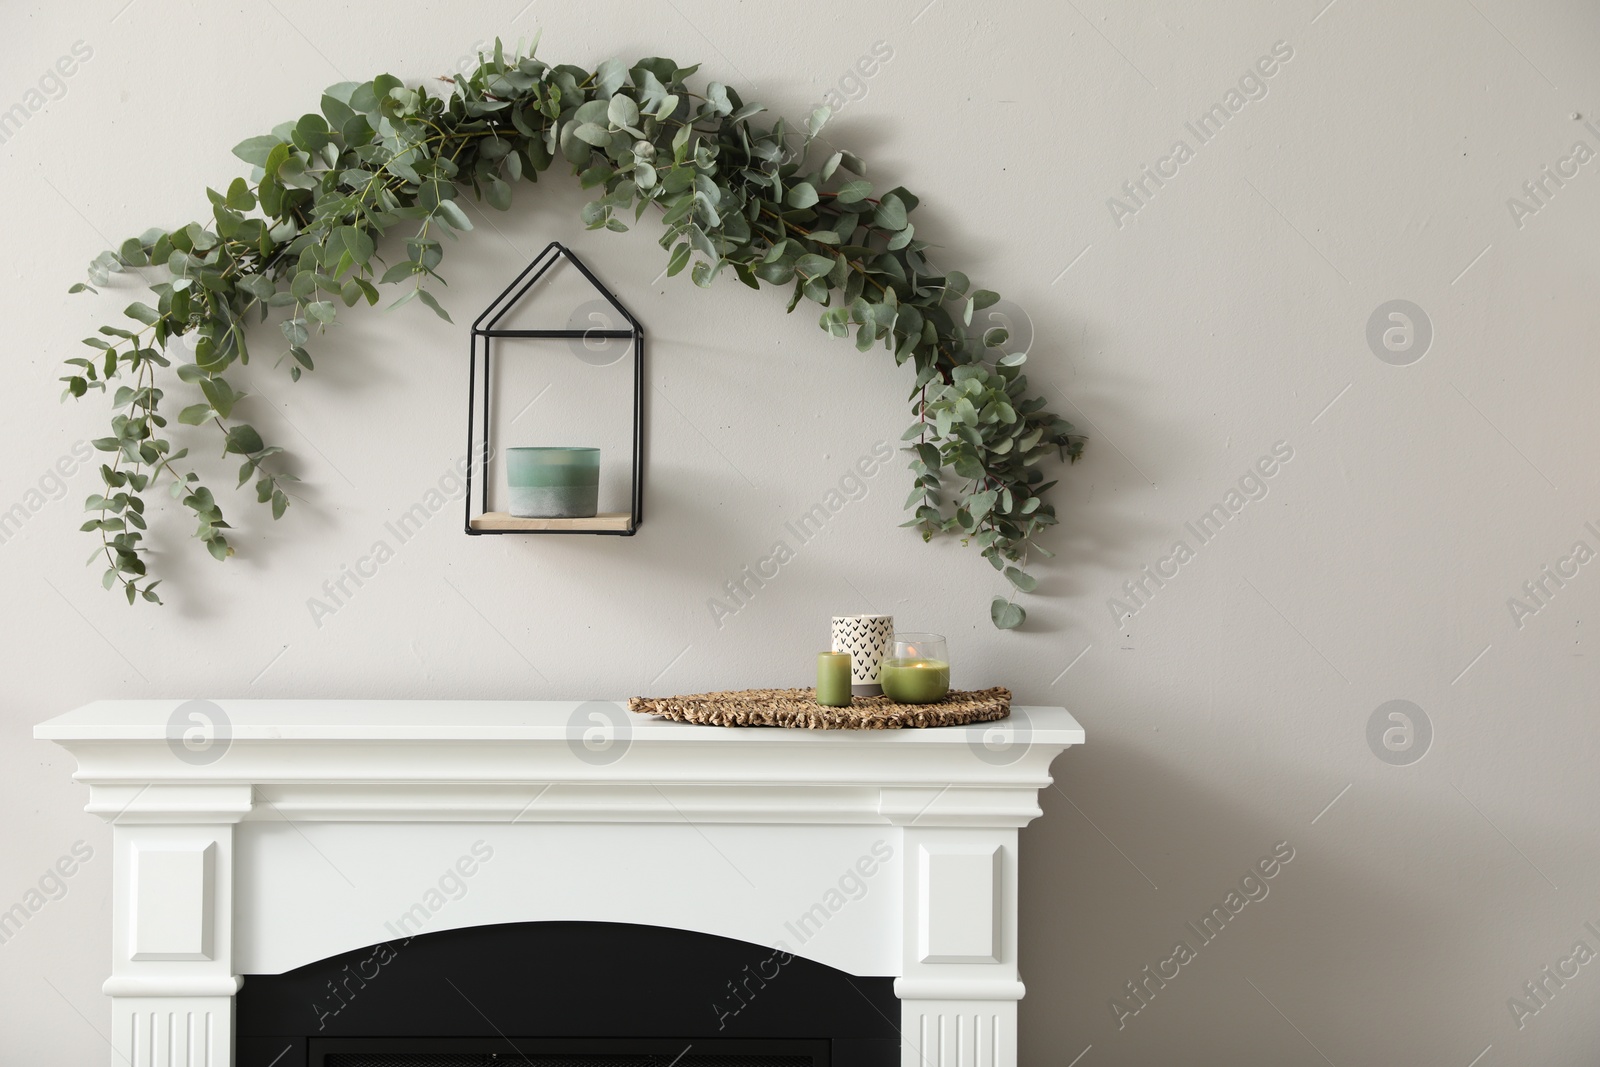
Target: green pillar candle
[
  {"x": 915, "y": 681},
  {"x": 833, "y": 679}
]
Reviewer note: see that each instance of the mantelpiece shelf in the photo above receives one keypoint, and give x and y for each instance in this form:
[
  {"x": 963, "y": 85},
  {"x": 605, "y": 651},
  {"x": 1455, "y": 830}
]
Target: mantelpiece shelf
[{"x": 500, "y": 522}]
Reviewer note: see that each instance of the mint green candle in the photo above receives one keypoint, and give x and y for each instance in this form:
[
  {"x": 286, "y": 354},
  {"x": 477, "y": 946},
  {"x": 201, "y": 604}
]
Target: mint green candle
[
  {"x": 915, "y": 681},
  {"x": 833, "y": 679},
  {"x": 553, "y": 483}
]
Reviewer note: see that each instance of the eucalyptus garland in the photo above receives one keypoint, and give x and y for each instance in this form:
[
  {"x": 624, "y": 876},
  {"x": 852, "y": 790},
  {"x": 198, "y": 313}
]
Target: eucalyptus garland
[{"x": 362, "y": 194}]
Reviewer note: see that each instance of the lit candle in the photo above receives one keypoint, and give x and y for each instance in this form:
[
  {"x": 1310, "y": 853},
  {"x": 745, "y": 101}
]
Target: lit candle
[
  {"x": 833, "y": 679},
  {"x": 918, "y": 672},
  {"x": 915, "y": 681}
]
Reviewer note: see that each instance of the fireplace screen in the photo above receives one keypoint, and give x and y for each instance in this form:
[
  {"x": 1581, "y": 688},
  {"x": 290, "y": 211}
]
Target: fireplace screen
[
  {"x": 567, "y": 994},
  {"x": 599, "y": 1053}
]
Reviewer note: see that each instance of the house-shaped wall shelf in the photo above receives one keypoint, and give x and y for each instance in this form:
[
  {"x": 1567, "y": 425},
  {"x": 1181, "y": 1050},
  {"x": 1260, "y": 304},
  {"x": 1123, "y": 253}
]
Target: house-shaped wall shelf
[{"x": 488, "y": 338}]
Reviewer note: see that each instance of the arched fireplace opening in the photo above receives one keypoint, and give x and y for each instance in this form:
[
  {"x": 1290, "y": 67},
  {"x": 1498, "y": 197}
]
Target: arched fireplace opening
[{"x": 567, "y": 994}]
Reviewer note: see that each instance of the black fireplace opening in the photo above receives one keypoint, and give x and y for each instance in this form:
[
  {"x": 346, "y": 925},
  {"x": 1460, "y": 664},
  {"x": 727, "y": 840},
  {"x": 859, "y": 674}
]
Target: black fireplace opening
[
  {"x": 537, "y": 1052},
  {"x": 566, "y": 994}
]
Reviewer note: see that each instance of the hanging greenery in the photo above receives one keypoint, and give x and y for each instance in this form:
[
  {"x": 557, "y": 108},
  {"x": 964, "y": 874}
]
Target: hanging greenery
[{"x": 386, "y": 163}]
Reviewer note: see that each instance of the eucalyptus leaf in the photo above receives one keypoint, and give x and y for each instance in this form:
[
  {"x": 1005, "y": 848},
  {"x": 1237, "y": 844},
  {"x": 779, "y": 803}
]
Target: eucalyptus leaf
[
  {"x": 1006, "y": 614},
  {"x": 255, "y": 150},
  {"x": 452, "y": 213},
  {"x": 623, "y": 111},
  {"x": 427, "y": 298},
  {"x": 1022, "y": 580}
]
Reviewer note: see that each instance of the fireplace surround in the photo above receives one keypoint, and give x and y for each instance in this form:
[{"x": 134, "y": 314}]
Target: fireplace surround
[{"x": 733, "y": 885}]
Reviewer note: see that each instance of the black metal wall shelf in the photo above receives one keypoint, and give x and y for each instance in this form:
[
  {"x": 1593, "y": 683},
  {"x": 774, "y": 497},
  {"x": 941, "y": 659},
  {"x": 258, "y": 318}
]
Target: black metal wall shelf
[{"x": 485, "y": 332}]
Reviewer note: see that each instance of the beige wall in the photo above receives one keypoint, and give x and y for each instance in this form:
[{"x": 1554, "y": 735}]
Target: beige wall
[{"x": 1190, "y": 333}]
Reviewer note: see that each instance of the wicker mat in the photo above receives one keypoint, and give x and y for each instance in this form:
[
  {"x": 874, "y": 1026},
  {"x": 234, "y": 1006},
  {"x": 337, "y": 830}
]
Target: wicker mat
[{"x": 798, "y": 709}]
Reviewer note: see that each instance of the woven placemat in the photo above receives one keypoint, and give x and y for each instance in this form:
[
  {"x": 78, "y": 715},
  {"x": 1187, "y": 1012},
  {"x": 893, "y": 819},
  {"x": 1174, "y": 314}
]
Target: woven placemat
[{"x": 798, "y": 709}]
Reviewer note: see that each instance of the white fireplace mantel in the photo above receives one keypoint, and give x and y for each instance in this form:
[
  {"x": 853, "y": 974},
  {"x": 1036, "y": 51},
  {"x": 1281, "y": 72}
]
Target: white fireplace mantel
[{"x": 256, "y": 836}]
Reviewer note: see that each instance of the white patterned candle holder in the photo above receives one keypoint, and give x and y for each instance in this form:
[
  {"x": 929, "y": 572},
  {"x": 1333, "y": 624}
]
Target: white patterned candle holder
[{"x": 867, "y": 639}]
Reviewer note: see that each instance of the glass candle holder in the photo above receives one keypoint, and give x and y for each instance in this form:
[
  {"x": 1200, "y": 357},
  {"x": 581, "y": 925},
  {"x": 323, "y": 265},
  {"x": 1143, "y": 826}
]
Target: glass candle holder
[
  {"x": 917, "y": 669},
  {"x": 833, "y": 679}
]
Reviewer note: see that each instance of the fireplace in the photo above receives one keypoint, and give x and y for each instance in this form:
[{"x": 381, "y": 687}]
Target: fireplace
[{"x": 443, "y": 883}]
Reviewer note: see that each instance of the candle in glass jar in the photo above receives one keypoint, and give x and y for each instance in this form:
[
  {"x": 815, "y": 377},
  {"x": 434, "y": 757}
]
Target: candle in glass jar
[
  {"x": 833, "y": 679},
  {"x": 915, "y": 681}
]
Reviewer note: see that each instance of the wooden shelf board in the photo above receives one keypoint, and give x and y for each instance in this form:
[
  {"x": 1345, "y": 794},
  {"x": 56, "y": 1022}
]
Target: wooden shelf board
[{"x": 605, "y": 522}]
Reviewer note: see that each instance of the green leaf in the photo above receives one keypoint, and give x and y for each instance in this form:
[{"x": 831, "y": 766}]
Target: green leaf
[
  {"x": 1005, "y": 614},
  {"x": 401, "y": 271},
  {"x": 452, "y": 213},
  {"x": 311, "y": 132},
  {"x": 336, "y": 106},
  {"x": 244, "y": 440},
  {"x": 680, "y": 257},
  {"x": 255, "y": 150},
  {"x": 132, "y": 252},
  {"x": 427, "y": 298},
  {"x": 1022, "y": 579},
  {"x": 610, "y": 76},
  {"x": 195, "y": 414},
  {"x": 294, "y": 173},
  {"x": 622, "y": 111},
  {"x": 818, "y": 119},
  {"x": 498, "y": 193},
  {"x": 355, "y": 241},
  {"x": 717, "y": 96},
  {"x": 967, "y": 465},
  {"x": 814, "y": 266},
  {"x": 891, "y": 213},
  {"x": 802, "y": 195},
  {"x": 143, "y": 313},
  {"x": 405, "y": 298},
  {"x": 852, "y": 191}
]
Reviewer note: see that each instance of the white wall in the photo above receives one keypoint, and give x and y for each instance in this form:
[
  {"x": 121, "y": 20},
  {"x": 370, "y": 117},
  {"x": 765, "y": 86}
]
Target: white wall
[{"x": 1224, "y": 316}]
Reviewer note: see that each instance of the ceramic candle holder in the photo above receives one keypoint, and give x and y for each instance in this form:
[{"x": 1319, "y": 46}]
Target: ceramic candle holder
[
  {"x": 866, "y": 638},
  {"x": 553, "y": 483}
]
